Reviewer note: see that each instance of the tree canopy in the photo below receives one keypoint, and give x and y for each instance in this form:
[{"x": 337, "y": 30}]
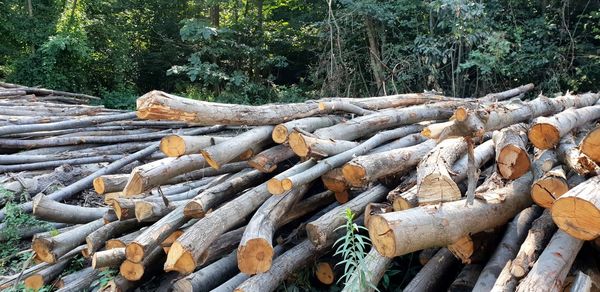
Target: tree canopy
[{"x": 279, "y": 51}]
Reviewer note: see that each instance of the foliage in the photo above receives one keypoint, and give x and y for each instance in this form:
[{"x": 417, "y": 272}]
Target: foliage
[
  {"x": 106, "y": 276},
  {"x": 351, "y": 248},
  {"x": 14, "y": 220}
]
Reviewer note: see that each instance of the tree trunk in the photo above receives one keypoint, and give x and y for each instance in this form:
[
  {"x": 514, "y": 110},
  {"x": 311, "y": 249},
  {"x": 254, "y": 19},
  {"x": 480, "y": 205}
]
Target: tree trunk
[
  {"x": 50, "y": 249},
  {"x": 550, "y": 187},
  {"x": 576, "y": 211},
  {"x": 281, "y": 132},
  {"x": 402, "y": 232},
  {"x": 320, "y": 231},
  {"x": 226, "y": 151},
  {"x": 545, "y": 133},
  {"x": 255, "y": 251},
  {"x": 108, "y": 258},
  {"x": 551, "y": 269},
  {"x": 494, "y": 97},
  {"x": 179, "y": 145},
  {"x": 267, "y": 160},
  {"x": 434, "y": 182},
  {"x": 374, "y": 56},
  {"x": 590, "y": 143},
  {"x": 47, "y": 209},
  {"x": 507, "y": 249},
  {"x": 511, "y": 151},
  {"x": 98, "y": 238},
  {"x": 569, "y": 155},
  {"x": 431, "y": 276},
  {"x": 364, "y": 169}
]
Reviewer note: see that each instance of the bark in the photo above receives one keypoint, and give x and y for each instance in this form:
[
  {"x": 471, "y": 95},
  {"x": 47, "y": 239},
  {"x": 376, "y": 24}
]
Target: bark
[
  {"x": 56, "y": 163},
  {"x": 50, "y": 249},
  {"x": 402, "y": 232},
  {"x": 434, "y": 180},
  {"x": 108, "y": 258},
  {"x": 110, "y": 183},
  {"x": 367, "y": 168},
  {"x": 543, "y": 161},
  {"x": 266, "y": 161},
  {"x": 590, "y": 144},
  {"x": 511, "y": 151},
  {"x": 47, "y": 209},
  {"x": 570, "y": 155},
  {"x": 178, "y": 145},
  {"x": 79, "y": 281},
  {"x": 475, "y": 122},
  {"x": 211, "y": 197},
  {"x": 408, "y": 140},
  {"x": 546, "y": 132},
  {"x": 62, "y": 175},
  {"x": 310, "y": 146},
  {"x": 282, "y": 131},
  {"x": 45, "y": 276},
  {"x": 507, "y": 249},
  {"x": 576, "y": 212},
  {"x": 386, "y": 119},
  {"x": 376, "y": 208},
  {"x": 431, "y": 276},
  {"x": 553, "y": 265},
  {"x": 550, "y": 187},
  {"x": 98, "y": 238},
  {"x": 465, "y": 281},
  {"x": 86, "y": 182},
  {"x": 68, "y": 124},
  {"x": 228, "y": 150},
  {"x": 134, "y": 271},
  {"x": 321, "y": 230}
]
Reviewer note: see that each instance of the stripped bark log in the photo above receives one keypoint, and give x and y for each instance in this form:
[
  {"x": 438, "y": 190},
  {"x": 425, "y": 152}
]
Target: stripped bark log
[
  {"x": 553, "y": 265},
  {"x": 511, "y": 151},
  {"x": 390, "y": 232},
  {"x": 577, "y": 212},
  {"x": 546, "y": 132},
  {"x": 507, "y": 249}
]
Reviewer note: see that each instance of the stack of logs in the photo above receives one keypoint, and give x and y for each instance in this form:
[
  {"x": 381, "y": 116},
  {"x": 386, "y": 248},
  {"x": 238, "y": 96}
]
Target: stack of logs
[{"x": 239, "y": 198}]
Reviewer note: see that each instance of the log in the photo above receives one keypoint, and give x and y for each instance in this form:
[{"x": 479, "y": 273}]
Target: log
[
  {"x": 375, "y": 266},
  {"x": 569, "y": 155},
  {"x": 29, "y": 231},
  {"x": 134, "y": 271},
  {"x": 110, "y": 183},
  {"x": 210, "y": 276},
  {"x": 178, "y": 145},
  {"x": 590, "y": 143},
  {"x": 86, "y": 182},
  {"x": 151, "y": 211},
  {"x": 320, "y": 231},
  {"x": 402, "y": 232},
  {"x": 68, "y": 124},
  {"x": 255, "y": 252},
  {"x": 62, "y": 175},
  {"x": 211, "y": 197},
  {"x": 123, "y": 240},
  {"x": 546, "y": 132},
  {"x": 224, "y": 244},
  {"x": 311, "y": 146},
  {"x": 476, "y": 248},
  {"x": 550, "y": 187},
  {"x": 466, "y": 279},
  {"x": 47, "y": 209},
  {"x": 108, "y": 258},
  {"x": 376, "y": 208},
  {"x": 553, "y": 265},
  {"x": 406, "y": 141},
  {"x": 511, "y": 151},
  {"x": 507, "y": 249},
  {"x": 364, "y": 169},
  {"x": 431, "y": 276},
  {"x": 426, "y": 255},
  {"x": 79, "y": 280},
  {"x": 56, "y": 163},
  {"x": 282, "y": 131},
  {"x": 266, "y": 161},
  {"x": 582, "y": 282},
  {"x": 334, "y": 181},
  {"x": 518, "y": 91},
  {"x": 475, "y": 122},
  {"x": 275, "y": 184},
  {"x": 434, "y": 180},
  {"x": 45, "y": 276},
  {"x": 228, "y": 150},
  {"x": 97, "y": 239},
  {"x": 537, "y": 238},
  {"x": 576, "y": 212},
  {"x": 50, "y": 249}
]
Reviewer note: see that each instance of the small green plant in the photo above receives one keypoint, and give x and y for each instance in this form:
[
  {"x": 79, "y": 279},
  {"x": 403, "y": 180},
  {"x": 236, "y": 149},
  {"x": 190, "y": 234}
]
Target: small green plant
[
  {"x": 106, "y": 276},
  {"x": 6, "y": 195},
  {"x": 352, "y": 248},
  {"x": 14, "y": 220}
]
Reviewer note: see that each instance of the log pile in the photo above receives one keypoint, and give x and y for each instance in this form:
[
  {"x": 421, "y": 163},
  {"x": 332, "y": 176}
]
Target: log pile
[{"x": 201, "y": 196}]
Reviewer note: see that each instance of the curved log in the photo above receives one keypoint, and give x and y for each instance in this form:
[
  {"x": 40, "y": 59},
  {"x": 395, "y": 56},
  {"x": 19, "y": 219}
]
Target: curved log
[{"x": 50, "y": 210}]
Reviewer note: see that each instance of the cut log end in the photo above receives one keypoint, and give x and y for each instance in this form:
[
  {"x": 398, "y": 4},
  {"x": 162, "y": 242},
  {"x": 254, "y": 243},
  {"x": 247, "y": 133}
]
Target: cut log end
[
  {"x": 34, "y": 282},
  {"x": 590, "y": 145},
  {"x": 262, "y": 164},
  {"x": 435, "y": 188},
  {"x": 43, "y": 252},
  {"x": 255, "y": 257},
  {"x": 172, "y": 146},
  {"x": 577, "y": 217},
  {"x": 275, "y": 187},
  {"x": 287, "y": 184},
  {"x": 342, "y": 197},
  {"x": 544, "y": 136},
  {"x": 324, "y": 272},
  {"x": 143, "y": 210},
  {"x": 134, "y": 186},
  {"x": 134, "y": 252},
  {"x": 131, "y": 271},
  {"x": 354, "y": 174},
  {"x": 513, "y": 162},
  {"x": 214, "y": 164},
  {"x": 382, "y": 236},
  {"x": 461, "y": 114},
  {"x": 121, "y": 213},
  {"x": 179, "y": 260},
  {"x": 114, "y": 243},
  {"x": 98, "y": 184},
  {"x": 280, "y": 134},
  {"x": 298, "y": 145},
  {"x": 545, "y": 191},
  {"x": 193, "y": 209}
]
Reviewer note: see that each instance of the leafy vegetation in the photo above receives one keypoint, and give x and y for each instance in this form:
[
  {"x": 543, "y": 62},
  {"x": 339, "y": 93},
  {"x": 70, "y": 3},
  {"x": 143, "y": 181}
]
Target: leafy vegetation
[{"x": 281, "y": 51}]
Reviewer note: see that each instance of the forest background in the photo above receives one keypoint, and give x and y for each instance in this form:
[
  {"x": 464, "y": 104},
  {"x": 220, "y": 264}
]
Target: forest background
[{"x": 259, "y": 51}]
